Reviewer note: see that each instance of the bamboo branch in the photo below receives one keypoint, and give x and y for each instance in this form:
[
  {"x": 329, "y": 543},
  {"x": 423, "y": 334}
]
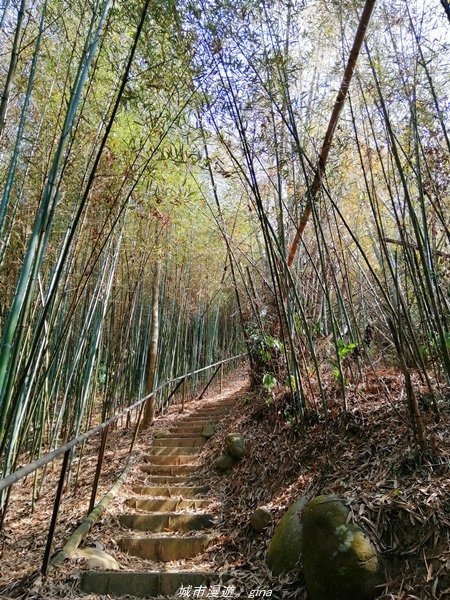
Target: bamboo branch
[
  {"x": 71, "y": 546},
  {"x": 445, "y": 255},
  {"x": 338, "y": 105},
  {"x": 12, "y": 65},
  {"x": 446, "y": 5}
]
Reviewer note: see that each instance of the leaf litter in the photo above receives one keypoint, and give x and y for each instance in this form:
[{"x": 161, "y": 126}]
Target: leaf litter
[{"x": 367, "y": 456}]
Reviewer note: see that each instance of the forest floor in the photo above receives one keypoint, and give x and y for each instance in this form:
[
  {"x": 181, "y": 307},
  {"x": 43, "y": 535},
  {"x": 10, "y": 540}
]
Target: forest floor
[{"x": 366, "y": 456}]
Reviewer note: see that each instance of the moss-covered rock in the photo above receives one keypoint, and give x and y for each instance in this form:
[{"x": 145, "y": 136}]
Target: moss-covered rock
[
  {"x": 209, "y": 430},
  {"x": 284, "y": 549},
  {"x": 223, "y": 463},
  {"x": 260, "y": 519},
  {"x": 235, "y": 444},
  {"x": 339, "y": 560}
]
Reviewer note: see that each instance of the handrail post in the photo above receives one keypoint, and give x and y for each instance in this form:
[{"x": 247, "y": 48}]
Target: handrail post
[
  {"x": 56, "y": 505},
  {"x": 183, "y": 394},
  {"x": 136, "y": 428},
  {"x": 98, "y": 470},
  {"x": 221, "y": 378},
  {"x": 209, "y": 382},
  {"x": 5, "y": 507}
]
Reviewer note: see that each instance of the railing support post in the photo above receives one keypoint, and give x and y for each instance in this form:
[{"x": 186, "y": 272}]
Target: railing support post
[
  {"x": 221, "y": 378},
  {"x": 98, "y": 470},
  {"x": 56, "y": 505},
  {"x": 136, "y": 429},
  {"x": 183, "y": 394},
  {"x": 209, "y": 383},
  {"x": 5, "y": 507}
]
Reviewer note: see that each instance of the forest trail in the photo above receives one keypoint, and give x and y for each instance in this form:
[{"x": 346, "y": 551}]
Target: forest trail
[{"x": 169, "y": 520}]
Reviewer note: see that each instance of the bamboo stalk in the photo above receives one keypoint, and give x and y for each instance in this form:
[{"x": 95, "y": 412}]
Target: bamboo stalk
[{"x": 328, "y": 139}]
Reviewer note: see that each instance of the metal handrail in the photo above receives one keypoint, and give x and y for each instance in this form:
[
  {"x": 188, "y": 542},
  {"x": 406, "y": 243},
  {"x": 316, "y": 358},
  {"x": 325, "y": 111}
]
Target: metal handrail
[{"x": 12, "y": 478}]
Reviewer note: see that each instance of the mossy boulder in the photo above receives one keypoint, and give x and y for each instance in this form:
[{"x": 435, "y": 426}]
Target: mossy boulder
[
  {"x": 235, "y": 444},
  {"x": 260, "y": 519},
  {"x": 339, "y": 560},
  {"x": 284, "y": 549},
  {"x": 209, "y": 430},
  {"x": 223, "y": 463}
]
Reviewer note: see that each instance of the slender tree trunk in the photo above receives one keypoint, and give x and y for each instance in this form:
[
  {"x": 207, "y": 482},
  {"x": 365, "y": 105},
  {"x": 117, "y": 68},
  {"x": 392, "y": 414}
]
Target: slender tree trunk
[
  {"x": 338, "y": 105},
  {"x": 4, "y": 13},
  {"x": 12, "y": 65},
  {"x": 446, "y": 5},
  {"x": 149, "y": 412}
]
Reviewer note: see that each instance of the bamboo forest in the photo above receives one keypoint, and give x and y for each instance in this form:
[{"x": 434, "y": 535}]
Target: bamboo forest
[{"x": 224, "y": 299}]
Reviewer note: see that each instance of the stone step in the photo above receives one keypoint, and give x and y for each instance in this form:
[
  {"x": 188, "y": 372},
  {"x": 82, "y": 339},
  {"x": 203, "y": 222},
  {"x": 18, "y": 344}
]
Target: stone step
[
  {"x": 199, "y": 416},
  {"x": 188, "y": 431},
  {"x": 166, "y": 504},
  {"x": 172, "y": 479},
  {"x": 168, "y": 521},
  {"x": 143, "y": 585},
  {"x": 183, "y": 433},
  {"x": 190, "y": 441},
  {"x": 218, "y": 410},
  {"x": 168, "y": 491},
  {"x": 188, "y": 428},
  {"x": 194, "y": 425},
  {"x": 211, "y": 413},
  {"x": 165, "y": 548},
  {"x": 198, "y": 420},
  {"x": 169, "y": 469},
  {"x": 195, "y": 422},
  {"x": 165, "y": 459},
  {"x": 205, "y": 410},
  {"x": 217, "y": 405},
  {"x": 173, "y": 450}
]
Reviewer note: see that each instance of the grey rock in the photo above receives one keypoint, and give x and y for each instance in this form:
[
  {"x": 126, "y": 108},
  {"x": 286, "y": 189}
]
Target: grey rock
[
  {"x": 235, "y": 444},
  {"x": 260, "y": 519}
]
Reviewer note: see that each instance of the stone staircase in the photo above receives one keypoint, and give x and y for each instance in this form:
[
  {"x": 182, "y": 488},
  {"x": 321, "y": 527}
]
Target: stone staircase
[{"x": 169, "y": 518}]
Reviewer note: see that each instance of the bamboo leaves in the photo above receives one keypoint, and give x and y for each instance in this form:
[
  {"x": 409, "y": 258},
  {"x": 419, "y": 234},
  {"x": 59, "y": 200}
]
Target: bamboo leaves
[{"x": 19, "y": 310}]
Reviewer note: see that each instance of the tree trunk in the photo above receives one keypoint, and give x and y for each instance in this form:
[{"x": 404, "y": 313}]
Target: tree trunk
[
  {"x": 12, "y": 65},
  {"x": 149, "y": 412},
  {"x": 446, "y": 5},
  {"x": 338, "y": 105}
]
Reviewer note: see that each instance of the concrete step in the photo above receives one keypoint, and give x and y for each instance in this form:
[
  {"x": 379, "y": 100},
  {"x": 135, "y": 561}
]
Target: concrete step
[
  {"x": 190, "y": 441},
  {"x": 143, "y": 585},
  {"x": 198, "y": 420},
  {"x": 215, "y": 407},
  {"x": 167, "y": 504},
  {"x": 195, "y": 422},
  {"x": 168, "y": 521},
  {"x": 170, "y": 435},
  {"x": 172, "y": 479},
  {"x": 170, "y": 469},
  {"x": 211, "y": 413},
  {"x": 165, "y": 548},
  {"x": 168, "y": 491},
  {"x": 197, "y": 416},
  {"x": 196, "y": 425},
  {"x": 183, "y": 431},
  {"x": 173, "y": 450},
  {"x": 188, "y": 431},
  {"x": 165, "y": 459}
]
